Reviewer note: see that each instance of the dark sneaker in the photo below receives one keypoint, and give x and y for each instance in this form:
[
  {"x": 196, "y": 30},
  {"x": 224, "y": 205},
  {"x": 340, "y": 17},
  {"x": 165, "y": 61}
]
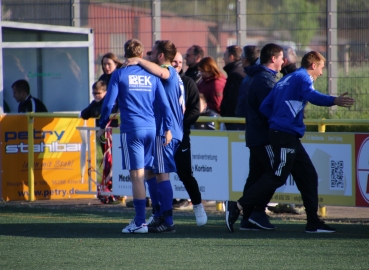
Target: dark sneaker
[
  {"x": 154, "y": 221},
  {"x": 232, "y": 213},
  {"x": 130, "y": 204},
  {"x": 182, "y": 205},
  {"x": 163, "y": 228},
  {"x": 319, "y": 227},
  {"x": 248, "y": 226},
  {"x": 261, "y": 220}
]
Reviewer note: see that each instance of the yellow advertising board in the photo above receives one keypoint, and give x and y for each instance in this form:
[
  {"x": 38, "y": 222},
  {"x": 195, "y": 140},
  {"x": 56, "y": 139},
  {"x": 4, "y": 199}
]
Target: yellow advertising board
[{"x": 57, "y": 159}]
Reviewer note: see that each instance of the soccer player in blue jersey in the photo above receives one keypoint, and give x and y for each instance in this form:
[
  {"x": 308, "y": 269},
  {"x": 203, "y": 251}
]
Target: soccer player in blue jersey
[
  {"x": 137, "y": 92},
  {"x": 160, "y": 189}
]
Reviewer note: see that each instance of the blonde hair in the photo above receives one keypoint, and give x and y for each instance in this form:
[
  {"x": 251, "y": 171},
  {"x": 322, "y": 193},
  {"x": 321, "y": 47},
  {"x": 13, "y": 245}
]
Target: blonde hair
[{"x": 133, "y": 48}]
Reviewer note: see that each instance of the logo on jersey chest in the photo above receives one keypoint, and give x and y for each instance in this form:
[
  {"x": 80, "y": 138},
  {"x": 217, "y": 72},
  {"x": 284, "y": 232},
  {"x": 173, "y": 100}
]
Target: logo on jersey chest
[{"x": 138, "y": 80}]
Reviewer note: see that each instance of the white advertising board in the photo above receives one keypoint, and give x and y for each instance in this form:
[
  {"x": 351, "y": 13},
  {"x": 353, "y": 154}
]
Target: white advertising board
[{"x": 209, "y": 165}]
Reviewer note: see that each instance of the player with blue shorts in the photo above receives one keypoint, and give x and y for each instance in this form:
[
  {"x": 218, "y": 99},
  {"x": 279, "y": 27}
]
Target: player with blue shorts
[
  {"x": 137, "y": 92},
  {"x": 159, "y": 186}
]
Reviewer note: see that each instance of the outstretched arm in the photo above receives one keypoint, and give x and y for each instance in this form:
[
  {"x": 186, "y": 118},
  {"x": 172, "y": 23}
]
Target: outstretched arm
[{"x": 151, "y": 67}]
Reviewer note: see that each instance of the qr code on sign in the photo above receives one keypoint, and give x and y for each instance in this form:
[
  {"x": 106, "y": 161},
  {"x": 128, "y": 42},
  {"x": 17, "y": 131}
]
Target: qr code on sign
[{"x": 337, "y": 176}]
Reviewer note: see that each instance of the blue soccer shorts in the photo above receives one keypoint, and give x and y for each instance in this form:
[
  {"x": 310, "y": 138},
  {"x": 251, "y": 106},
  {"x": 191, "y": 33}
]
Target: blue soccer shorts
[
  {"x": 164, "y": 155},
  {"x": 137, "y": 149}
]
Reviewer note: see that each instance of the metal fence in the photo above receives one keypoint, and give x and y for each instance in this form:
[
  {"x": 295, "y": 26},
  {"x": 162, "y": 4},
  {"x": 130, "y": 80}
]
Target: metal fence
[{"x": 337, "y": 29}]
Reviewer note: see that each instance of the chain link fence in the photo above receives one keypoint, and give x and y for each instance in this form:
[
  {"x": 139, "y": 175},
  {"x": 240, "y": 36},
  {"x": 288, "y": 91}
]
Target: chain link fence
[{"x": 337, "y": 29}]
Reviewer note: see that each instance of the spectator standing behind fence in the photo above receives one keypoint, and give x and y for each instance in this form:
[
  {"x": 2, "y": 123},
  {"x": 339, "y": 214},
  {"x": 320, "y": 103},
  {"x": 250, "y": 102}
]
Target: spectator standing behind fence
[
  {"x": 138, "y": 92},
  {"x": 250, "y": 56},
  {"x": 235, "y": 74},
  {"x": 27, "y": 103},
  {"x": 284, "y": 108},
  {"x": 212, "y": 83},
  {"x": 109, "y": 63},
  {"x": 193, "y": 56},
  {"x": 262, "y": 79},
  {"x": 205, "y": 111},
  {"x": 94, "y": 109},
  {"x": 183, "y": 157}
]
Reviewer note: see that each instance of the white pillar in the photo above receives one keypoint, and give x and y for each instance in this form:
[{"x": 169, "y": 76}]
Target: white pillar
[
  {"x": 241, "y": 23},
  {"x": 332, "y": 46},
  {"x": 156, "y": 17},
  {"x": 76, "y": 13}
]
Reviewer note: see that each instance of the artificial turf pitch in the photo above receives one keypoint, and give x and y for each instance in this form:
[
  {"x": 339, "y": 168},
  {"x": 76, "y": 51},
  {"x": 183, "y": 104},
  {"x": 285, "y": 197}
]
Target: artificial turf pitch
[{"x": 60, "y": 239}]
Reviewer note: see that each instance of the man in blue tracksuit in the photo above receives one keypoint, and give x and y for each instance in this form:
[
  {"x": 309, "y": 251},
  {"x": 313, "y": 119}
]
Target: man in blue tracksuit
[
  {"x": 284, "y": 107},
  {"x": 141, "y": 96}
]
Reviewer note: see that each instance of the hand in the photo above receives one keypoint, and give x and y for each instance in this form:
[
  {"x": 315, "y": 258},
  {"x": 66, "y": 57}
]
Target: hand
[
  {"x": 131, "y": 61},
  {"x": 99, "y": 134},
  {"x": 168, "y": 137},
  {"x": 344, "y": 101}
]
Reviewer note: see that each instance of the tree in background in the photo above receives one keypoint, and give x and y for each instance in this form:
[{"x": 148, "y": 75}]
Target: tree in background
[{"x": 300, "y": 17}]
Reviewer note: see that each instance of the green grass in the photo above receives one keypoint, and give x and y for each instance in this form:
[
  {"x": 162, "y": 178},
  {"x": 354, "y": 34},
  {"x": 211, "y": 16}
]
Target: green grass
[{"x": 60, "y": 239}]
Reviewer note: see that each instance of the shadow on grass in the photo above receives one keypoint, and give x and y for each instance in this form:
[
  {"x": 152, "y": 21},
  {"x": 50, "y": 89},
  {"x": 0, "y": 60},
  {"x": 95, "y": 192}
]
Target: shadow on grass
[{"x": 76, "y": 224}]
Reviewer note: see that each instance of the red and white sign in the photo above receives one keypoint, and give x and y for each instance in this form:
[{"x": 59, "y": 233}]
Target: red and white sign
[{"x": 362, "y": 169}]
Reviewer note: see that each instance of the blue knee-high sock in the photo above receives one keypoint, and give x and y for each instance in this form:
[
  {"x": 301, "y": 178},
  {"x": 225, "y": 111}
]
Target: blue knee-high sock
[
  {"x": 154, "y": 196},
  {"x": 140, "y": 207},
  {"x": 165, "y": 192}
]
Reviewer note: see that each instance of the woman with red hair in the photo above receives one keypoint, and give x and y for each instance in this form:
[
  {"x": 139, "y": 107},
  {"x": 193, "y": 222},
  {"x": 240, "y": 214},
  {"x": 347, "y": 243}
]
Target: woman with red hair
[{"x": 212, "y": 83}]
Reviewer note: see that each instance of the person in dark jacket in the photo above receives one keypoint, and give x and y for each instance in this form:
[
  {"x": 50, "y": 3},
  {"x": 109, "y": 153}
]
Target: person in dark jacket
[
  {"x": 262, "y": 80},
  {"x": 183, "y": 154},
  {"x": 193, "y": 56},
  {"x": 284, "y": 107},
  {"x": 250, "y": 56},
  {"x": 27, "y": 103},
  {"x": 233, "y": 68},
  {"x": 94, "y": 109},
  {"x": 109, "y": 63}
]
